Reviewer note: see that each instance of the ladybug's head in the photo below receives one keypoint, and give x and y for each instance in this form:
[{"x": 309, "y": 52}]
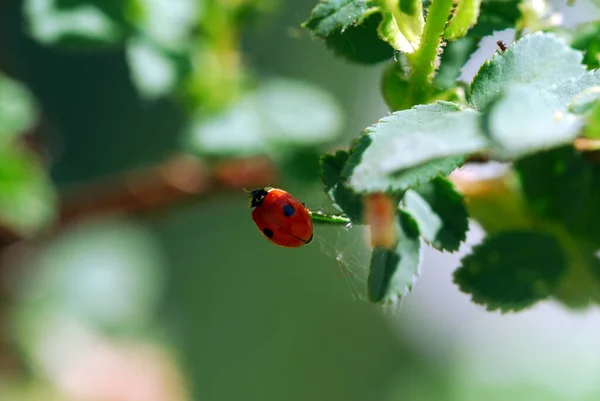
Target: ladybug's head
[{"x": 258, "y": 195}]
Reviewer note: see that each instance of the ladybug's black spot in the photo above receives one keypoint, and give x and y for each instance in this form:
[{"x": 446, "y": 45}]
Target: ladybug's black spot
[
  {"x": 288, "y": 210},
  {"x": 268, "y": 232}
]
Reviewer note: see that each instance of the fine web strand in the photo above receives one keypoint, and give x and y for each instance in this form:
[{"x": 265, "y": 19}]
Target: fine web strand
[{"x": 346, "y": 247}]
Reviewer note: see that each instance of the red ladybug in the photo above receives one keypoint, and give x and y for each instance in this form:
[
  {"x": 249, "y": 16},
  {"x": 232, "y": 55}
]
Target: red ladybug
[{"x": 281, "y": 218}]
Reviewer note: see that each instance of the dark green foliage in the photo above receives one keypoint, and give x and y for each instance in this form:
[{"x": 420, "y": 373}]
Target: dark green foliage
[
  {"x": 361, "y": 43},
  {"x": 394, "y": 271},
  {"x": 556, "y": 184},
  {"x": 440, "y": 212},
  {"x": 512, "y": 270},
  {"x": 344, "y": 198}
]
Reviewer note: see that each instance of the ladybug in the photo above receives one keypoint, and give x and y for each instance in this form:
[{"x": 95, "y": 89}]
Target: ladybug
[{"x": 281, "y": 218}]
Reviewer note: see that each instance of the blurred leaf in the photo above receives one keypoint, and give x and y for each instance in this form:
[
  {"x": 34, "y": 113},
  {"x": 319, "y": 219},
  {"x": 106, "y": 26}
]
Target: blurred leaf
[
  {"x": 344, "y": 198},
  {"x": 580, "y": 285},
  {"x": 592, "y": 127},
  {"x": 27, "y": 198},
  {"x": 153, "y": 72},
  {"x": 465, "y": 16},
  {"x": 587, "y": 39},
  {"x": 280, "y": 114},
  {"x": 83, "y": 22},
  {"x": 519, "y": 122},
  {"x": 587, "y": 224},
  {"x": 440, "y": 212},
  {"x": 583, "y": 86},
  {"x": 394, "y": 271},
  {"x": 17, "y": 109},
  {"x": 555, "y": 183},
  {"x": 512, "y": 270},
  {"x": 414, "y": 138},
  {"x": 104, "y": 275},
  {"x": 539, "y": 60},
  {"x": 361, "y": 43},
  {"x": 169, "y": 24}
]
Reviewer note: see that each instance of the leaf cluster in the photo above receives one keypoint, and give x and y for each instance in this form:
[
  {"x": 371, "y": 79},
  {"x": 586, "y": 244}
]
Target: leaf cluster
[{"x": 526, "y": 105}]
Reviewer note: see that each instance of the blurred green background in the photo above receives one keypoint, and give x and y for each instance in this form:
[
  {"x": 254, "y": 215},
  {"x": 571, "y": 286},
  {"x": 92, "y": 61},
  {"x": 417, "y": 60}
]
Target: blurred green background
[{"x": 192, "y": 303}]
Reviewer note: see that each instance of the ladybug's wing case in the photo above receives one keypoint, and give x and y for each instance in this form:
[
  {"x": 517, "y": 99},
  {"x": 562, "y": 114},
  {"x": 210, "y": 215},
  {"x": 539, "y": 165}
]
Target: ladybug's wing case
[{"x": 283, "y": 220}]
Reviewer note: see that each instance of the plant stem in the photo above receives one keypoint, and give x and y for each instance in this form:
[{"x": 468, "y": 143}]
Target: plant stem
[
  {"x": 319, "y": 217},
  {"x": 424, "y": 61}
]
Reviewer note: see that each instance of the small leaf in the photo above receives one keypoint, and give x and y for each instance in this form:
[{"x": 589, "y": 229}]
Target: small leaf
[
  {"x": 512, "y": 270},
  {"x": 383, "y": 157},
  {"x": 555, "y": 183},
  {"x": 539, "y": 60},
  {"x": 17, "y": 109},
  {"x": 465, "y": 16},
  {"x": 331, "y": 168},
  {"x": 440, "y": 212},
  {"x": 393, "y": 272},
  {"x": 344, "y": 198},
  {"x": 519, "y": 122},
  {"x": 27, "y": 198},
  {"x": 331, "y": 16}
]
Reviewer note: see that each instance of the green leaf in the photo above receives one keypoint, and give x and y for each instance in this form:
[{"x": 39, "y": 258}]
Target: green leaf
[
  {"x": 27, "y": 198},
  {"x": 382, "y": 157},
  {"x": 393, "y": 272},
  {"x": 539, "y": 60},
  {"x": 519, "y": 122},
  {"x": 344, "y": 198},
  {"x": 584, "y": 87},
  {"x": 280, "y": 114},
  {"x": 512, "y": 270},
  {"x": 555, "y": 183},
  {"x": 331, "y": 16},
  {"x": 440, "y": 212},
  {"x": 465, "y": 16},
  {"x": 361, "y": 43},
  {"x": 17, "y": 109}
]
